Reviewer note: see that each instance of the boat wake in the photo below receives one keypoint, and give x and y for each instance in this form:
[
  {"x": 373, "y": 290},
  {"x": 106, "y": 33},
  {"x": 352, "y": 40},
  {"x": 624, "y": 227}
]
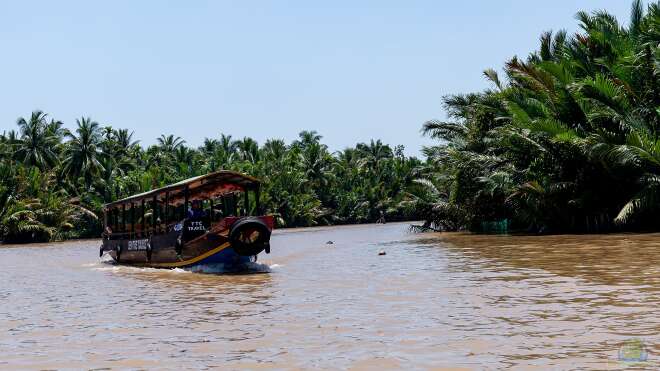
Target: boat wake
[
  {"x": 106, "y": 263},
  {"x": 247, "y": 268}
]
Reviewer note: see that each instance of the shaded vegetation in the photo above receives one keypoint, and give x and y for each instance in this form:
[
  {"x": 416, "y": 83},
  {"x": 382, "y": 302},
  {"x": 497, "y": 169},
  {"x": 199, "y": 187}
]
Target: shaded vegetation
[
  {"x": 55, "y": 181},
  {"x": 565, "y": 141}
]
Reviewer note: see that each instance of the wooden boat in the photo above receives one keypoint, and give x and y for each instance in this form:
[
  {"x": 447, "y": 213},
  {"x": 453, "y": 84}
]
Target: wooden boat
[{"x": 209, "y": 220}]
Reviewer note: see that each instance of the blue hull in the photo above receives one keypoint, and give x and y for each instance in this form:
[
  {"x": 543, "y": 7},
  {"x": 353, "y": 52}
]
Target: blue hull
[{"x": 225, "y": 261}]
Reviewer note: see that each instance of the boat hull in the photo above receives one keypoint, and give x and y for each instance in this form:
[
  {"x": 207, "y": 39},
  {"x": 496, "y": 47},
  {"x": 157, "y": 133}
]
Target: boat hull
[
  {"x": 160, "y": 251},
  {"x": 190, "y": 244},
  {"x": 224, "y": 255}
]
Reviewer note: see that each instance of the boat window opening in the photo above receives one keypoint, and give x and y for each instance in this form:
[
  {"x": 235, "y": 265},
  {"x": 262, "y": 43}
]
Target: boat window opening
[
  {"x": 158, "y": 212},
  {"x": 225, "y": 205},
  {"x": 179, "y": 213},
  {"x": 225, "y": 208},
  {"x": 129, "y": 219},
  {"x": 246, "y": 204},
  {"x": 204, "y": 206},
  {"x": 255, "y": 208},
  {"x": 120, "y": 221},
  {"x": 238, "y": 204},
  {"x": 149, "y": 218},
  {"x": 123, "y": 218},
  {"x": 154, "y": 214},
  {"x": 243, "y": 203},
  {"x": 257, "y": 201},
  {"x": 173, "y": 215},
  {"x": 143, "y": 228},
  {"x": 134, "y": 218},
  {"x": 185, "y": 201},
  {"x": 236, "y": 210},
  {"x": 166, "y": 212},
  {"x": 162, "y": 215},
  {"x": 116, "y": 224},
  {"x": 161, "y": 220}
]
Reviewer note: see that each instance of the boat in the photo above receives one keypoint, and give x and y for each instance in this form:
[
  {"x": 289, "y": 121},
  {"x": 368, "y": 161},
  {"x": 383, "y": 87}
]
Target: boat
[{"x": 212, "y": 220}]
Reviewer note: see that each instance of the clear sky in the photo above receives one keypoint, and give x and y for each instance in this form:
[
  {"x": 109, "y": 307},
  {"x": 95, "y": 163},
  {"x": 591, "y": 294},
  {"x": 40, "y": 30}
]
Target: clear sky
[{"x": 352, "y": 70}]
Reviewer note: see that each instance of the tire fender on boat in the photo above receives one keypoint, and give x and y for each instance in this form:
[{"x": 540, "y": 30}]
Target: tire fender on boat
[{"x": 242, "y": 243}]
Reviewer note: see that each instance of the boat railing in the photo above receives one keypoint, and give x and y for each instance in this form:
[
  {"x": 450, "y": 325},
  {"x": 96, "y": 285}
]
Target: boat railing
[
  {"x": 140, "y": 233},
  {"x": 164, "y": 229}
]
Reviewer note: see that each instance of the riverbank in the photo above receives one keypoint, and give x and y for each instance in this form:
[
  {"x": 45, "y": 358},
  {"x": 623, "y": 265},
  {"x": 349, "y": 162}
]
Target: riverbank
[
  {"x": 448, "y": 236},
  {"x": 275, "y": 232}
]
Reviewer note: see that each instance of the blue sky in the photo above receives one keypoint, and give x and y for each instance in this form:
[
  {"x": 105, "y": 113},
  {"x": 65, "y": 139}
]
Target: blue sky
[{"x": 352, "y": 70}]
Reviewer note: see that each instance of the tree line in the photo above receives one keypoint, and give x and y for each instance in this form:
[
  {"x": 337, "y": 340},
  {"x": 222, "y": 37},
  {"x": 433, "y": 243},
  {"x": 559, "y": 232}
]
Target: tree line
[
  {"x": 55, "y": 181},
  {"x": 565, "y": 141}
]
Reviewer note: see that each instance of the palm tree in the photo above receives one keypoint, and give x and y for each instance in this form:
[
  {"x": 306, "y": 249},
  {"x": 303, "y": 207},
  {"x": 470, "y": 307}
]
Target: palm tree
[
  {"x": 185, "y": 159},
  {"x": 315, "y": 163},
  {"x": 56, "y": 128},
  {"x": 37, "y": 144},
  {"x": 210, "y": 146},
  {"x": 274, "y": 150},
  {"x": 169, "y": 143},
  {"x": 82, "y": 153},
  {"x": 248, "y": 150},
  {"x": 374, "y": 153},
  {"x": 571, "y": 134},
  {"x": 307, "y": 138},
  {"x": 227, "y": 144},
  {"x": 125, "y": 141}
]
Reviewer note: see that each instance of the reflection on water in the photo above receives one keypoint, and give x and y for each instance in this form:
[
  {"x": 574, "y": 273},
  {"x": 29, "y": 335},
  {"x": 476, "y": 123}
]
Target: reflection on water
[{"x": 435, "y": 300}]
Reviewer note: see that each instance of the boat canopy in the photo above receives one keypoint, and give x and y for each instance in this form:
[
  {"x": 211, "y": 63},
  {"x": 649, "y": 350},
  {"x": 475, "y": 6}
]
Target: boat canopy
[{"x": 201, "y": 187}]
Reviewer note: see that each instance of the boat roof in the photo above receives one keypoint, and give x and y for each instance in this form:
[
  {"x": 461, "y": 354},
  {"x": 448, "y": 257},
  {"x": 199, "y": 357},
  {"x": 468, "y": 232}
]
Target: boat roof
[{"x": 200, "y": 187}]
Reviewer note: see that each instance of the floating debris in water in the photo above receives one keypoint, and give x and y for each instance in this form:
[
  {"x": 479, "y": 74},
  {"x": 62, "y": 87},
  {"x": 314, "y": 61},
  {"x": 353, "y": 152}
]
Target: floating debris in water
[
  {"x": 329, "y": 243},
  {"x": 382, "y": 252}
]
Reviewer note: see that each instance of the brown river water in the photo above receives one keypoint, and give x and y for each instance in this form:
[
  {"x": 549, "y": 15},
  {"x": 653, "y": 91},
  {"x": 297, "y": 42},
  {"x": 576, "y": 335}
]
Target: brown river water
[{"x": 435, "y": 301}]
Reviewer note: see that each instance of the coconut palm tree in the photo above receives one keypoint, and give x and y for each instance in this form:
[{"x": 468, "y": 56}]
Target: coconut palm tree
[
  {"x": 307, "y": 138},
  {"x": 210, "y": 146},
  {"x": 124, "y": 140},
  {"x": 248, "y": 150},
  {"x": 37, "y": 143},
  {"x": 170, "y": 143},
  {"x": 82, "y": 153}
]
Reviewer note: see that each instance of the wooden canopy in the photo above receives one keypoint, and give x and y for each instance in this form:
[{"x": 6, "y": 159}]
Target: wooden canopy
[{"x": 201, "y": 187}]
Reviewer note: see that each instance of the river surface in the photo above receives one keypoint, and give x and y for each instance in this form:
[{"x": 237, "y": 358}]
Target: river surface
[{"x": 434, "y": 301}]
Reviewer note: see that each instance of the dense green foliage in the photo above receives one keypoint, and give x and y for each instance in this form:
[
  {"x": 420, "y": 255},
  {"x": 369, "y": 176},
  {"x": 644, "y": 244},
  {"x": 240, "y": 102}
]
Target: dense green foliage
[
  {"x": 567, "y": 141},
  {"x": 54, "y": 182}
]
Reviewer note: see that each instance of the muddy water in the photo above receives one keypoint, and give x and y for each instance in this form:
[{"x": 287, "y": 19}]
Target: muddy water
[{"x": 434, "y": 301}]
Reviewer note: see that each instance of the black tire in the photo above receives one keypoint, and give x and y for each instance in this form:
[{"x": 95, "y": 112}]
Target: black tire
[
  {"x": 118, "y": 249},
  {"x": 249, "y": 237}
]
